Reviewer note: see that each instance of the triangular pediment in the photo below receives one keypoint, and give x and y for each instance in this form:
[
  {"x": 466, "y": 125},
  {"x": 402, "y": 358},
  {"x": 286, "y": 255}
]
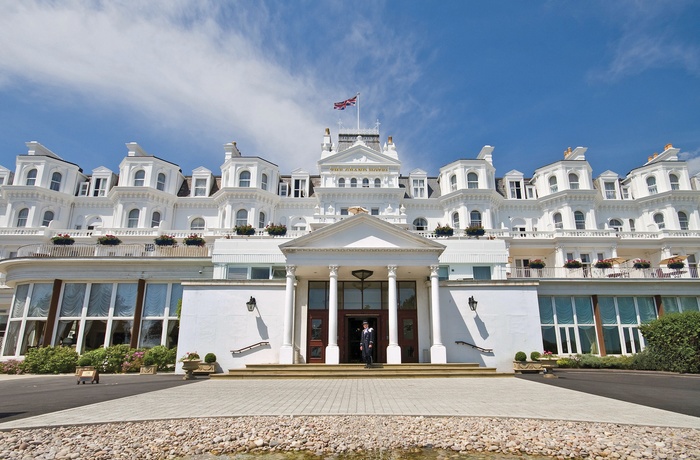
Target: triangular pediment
[
  {"x": 361, "y": 234},
  {"x": 358, "y": 155}
]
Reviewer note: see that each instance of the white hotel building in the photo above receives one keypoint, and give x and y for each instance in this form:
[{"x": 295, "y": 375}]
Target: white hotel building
[{"x": 360, "y": 245}]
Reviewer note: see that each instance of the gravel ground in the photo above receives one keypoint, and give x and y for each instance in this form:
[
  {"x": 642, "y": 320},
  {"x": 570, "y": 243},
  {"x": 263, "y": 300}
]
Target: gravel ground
[{"x": 329, "y": 436}]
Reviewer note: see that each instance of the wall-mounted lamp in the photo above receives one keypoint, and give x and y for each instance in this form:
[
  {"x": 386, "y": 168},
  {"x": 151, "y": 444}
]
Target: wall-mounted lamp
[
  {"x": 472, "y": 303},
  {"x": 251, "y": 304}
]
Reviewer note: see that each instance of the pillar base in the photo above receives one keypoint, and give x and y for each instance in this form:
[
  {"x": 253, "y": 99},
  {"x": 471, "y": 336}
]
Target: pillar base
[
  {"x": 438, "y": 354},
  {"x": 393, "y": 354},
  {"x": 332, "y": 354},
  {"x": 286, "y": 354}
]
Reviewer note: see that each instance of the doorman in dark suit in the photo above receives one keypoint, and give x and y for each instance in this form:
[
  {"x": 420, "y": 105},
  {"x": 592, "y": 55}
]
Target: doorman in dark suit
[{"x": 367, "y": 343}]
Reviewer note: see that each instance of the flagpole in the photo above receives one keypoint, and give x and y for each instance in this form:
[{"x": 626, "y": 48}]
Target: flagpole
[{"x": 358, "y": 112}]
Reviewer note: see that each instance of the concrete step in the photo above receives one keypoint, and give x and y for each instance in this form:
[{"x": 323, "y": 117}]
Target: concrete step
[{"x": 305, "y": 371}]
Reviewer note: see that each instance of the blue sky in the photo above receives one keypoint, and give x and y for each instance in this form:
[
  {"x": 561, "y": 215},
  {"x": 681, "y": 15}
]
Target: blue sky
[{"x": 182, "y": 78}]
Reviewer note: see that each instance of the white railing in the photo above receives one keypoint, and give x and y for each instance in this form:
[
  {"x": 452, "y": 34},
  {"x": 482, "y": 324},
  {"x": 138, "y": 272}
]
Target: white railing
[
  {"x": 122, "y": 250},
  {"x": 603, "y": 273}
]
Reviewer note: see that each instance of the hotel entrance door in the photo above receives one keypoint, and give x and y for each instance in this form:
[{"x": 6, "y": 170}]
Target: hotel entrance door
[{"x": 353, "y": 334}]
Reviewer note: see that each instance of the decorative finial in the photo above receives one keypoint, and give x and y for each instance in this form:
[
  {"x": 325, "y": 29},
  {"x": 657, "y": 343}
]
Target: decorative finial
[
  {"x": 649, "y": 158},
  {"x": 656, "y": 154},
  {"x": 328, "y": 131},
  {"x": 668, "y": 146},
  {"x": 391, "y": 139},
  {"x": 567, "y": 152}
]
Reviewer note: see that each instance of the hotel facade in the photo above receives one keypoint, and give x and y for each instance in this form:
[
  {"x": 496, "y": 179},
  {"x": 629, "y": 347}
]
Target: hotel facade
[{"x": 458, "y": 267}]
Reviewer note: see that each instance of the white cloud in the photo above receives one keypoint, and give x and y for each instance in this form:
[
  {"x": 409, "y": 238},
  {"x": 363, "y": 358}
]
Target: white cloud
[{"x": 692, "y": 158}]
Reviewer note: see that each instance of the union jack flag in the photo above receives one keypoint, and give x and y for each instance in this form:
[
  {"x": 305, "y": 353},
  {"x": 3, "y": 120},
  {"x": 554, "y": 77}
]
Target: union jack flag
[{"x": 346, "y": 103}]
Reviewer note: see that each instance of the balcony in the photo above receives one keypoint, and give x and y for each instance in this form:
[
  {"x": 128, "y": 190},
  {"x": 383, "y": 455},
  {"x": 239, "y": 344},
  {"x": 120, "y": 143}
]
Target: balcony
[
  {"x": 602, "y": 273},
  {"x": 122, "y": 250}
]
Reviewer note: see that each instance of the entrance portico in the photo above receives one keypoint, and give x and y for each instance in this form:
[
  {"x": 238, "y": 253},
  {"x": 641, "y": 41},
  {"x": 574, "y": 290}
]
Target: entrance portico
[{"x": 382, "y": 250}]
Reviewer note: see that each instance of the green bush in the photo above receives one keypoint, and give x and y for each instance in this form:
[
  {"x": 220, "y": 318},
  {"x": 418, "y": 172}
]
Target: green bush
[
  {"x": 115, "y": 357},
  {"x": 210, "y": 358},
  {"x": 520, "y": 356},
  {"x": 163, "y": 357},
  {"x": 673, "y": 341},
  {"x": 84, "y": 360},
  {"x": 572, "y": 362},
  {"x": 50, "y": 360},
  {"x": 95, "y": 358},
  {"x": 535, "y": 355},
  {"x": 646, "y": 361},
  {"x": 11, "y": 367}
]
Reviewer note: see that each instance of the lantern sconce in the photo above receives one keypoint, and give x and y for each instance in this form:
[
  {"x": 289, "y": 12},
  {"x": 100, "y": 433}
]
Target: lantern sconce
[
  {"x": 251, "y": 304},
  {"x": 472, "y": 303}
]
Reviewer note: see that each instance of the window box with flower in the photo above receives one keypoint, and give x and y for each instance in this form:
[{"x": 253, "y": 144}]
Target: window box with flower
[
  {"x": 62, "y": 240},
  {"x": 276, "y": 230},
  {"x": 245, "y": 230},
  {"x": 109, "y": 240},
  {"x": 475, "y": 230},
  {"x": 537, "y": 264},
  {"x": 165, "y": 240},
  {"x": 193, "y": 240},
  {"x": 604, "y": 263},
  {"x": 641, "y": 263},
  {"x": 573, "y": 263},
  {"x": 445, "y": 230},
  {"x": 675, "y": 264}
]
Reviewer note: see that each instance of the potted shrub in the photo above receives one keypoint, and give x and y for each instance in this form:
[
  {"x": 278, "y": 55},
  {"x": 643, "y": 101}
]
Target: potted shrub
[
  {"x": 109, "y": 240},
  {"x": 190, "y": 363},
  {"x": 62, "y": 240},
  {"x": 605, "y": 263},
  {"x": 246, "y": 230},
  {"x": 209, "y": 364},
  {"x": 521, "y": 364},
  {"x": 535, "y": 356},
  {"x": 165, "y": 240},
  {"x": 641, "y": 263},
  {"x": 537, "y": 264},
  {"x": 193, "y": 240},
  {"x": 441, "y": 230},
  {"x": 276, "y": 230},
  {"x": 149, "y": 366},
  {"x": 475, "y": 230},
  {"x": 675, "y": 264},
  {"x": 573, "y": 263}
]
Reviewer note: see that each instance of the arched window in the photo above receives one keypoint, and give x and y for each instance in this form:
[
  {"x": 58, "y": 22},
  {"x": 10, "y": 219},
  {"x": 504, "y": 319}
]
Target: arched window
[
  {"x": 553, "y": 187},
  {"x": 674, "y": 182},
  {"x": 558, "y": 223},
  {"x": 56, "y": 181},
  {"x": 341, "y": 182},
  {"x": 365, "y": 183},
  {"x": 48, "y": 217},
  {"x": 651, "y": 184},
  {"x": 455, "y": 220},
  {"x": 197, "y": 224},
  {"x": 683, "y": 220},
  {"x": 241, "y": 217},
  {"x": 31, "y": 177},
  {"x": 573, "y": 181},
  {"x": 133, "y": 219},
  {"x": 139, "y": 178},
  {"x": 244, "y": 179},
  {"x": 616, "y": 224},
  {"x": 262, "y": 219},
  {"x": 353, "y": 183},
  {"x": 155, "y": 219},
  {"x": 472, "y": 180},
  {"x": 580, "y": 220},
  {"x": 659, "y": 220},
  {"x": 377, "y": 183},
  {"x": 22, "y": 216},
  {"x": 263, "y": 182},
  {"x": 453, "y": 182},
  {"x": 633, "y": 227},
  {"x": 420, "y": 224},
  {"x": 160, "y": 185},
  {"x": 475, "y": 218}
]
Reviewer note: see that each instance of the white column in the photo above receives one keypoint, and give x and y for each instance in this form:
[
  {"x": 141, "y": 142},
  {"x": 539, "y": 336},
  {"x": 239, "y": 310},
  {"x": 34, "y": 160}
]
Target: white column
[
  {"x": 286, "y": 350},
  {"x": 438, "y": 353},
  {"x": 393, "y": 351},
  {"x": 332, "y": 350}
]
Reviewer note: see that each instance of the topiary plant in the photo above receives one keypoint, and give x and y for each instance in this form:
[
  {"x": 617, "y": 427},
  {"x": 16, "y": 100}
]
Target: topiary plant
[
  {"x": 535, "y": 355},
  {"x": 210, "y": 358},
  {"x": 520, "y": 356}
]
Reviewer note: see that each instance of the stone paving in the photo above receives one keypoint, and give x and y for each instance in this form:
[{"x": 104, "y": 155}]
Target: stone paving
[{"x": 477, "y": 397}]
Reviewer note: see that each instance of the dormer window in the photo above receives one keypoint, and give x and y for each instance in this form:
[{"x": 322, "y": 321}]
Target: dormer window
[
  {"x": 659, "y": 220},
  {"x": 673, "y": 179},
  {"x": 263, "y": 182},
  {"x": 418, "y": 188},
  {"x": 139, "y": 178},
  {"x": 553, "y": 187},
  {"x": 56, "y": 181},
  {"x": 200, "y": 187},
  {"x": 160, "y": 184},
  {"x": 299, "y": 188},
  {"x": 683, "y": 220},
  {"x": 651, "y": 185},
  {"x": 610, "y": 192},
  {"x": 453, "y": 183},
  {"x": 284, "y": 189},
  {"x": 31, "y": 177},
  {"x": 573, "y": 181},
  {"x": 472, "y": 180},
  {"x": 244, "y": 179},
  {"x": 100, "y": 187},
  {"x": 515, "y": 189}
]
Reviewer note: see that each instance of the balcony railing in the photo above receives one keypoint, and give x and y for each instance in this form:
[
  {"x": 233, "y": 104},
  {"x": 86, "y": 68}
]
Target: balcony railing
[
  {"x": 603, "y": 273},
  {"x": 122, "y": 250}
]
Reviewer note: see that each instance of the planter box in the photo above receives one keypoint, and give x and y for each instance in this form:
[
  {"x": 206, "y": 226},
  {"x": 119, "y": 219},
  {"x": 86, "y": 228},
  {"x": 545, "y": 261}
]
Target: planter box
[
  {"x": 524, "y": 367},
  {"x": 148, "y": 370},
  {"x": 79, "y": 369},
  {"x": 206, "y": 368}
]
